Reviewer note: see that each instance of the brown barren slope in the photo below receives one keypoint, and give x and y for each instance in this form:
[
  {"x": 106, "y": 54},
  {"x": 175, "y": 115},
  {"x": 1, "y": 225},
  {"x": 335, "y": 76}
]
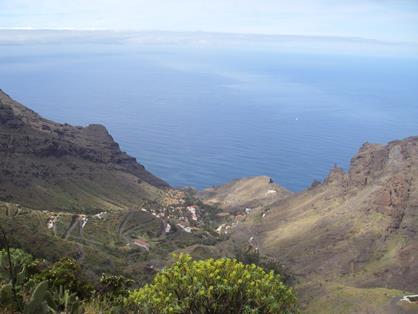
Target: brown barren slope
[
  {"x": 244, "y": 193},
  {"x": 354, "y": 233}
]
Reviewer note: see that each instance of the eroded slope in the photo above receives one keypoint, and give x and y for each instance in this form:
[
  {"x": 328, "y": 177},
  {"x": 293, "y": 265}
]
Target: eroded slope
[
  {"x": 54, "y": 166},
  {"x": 356, "y": 229}
]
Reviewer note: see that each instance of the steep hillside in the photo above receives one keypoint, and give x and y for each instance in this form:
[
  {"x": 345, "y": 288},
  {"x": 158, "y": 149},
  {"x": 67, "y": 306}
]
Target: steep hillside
[
  {"x": 54, "y": 166},
  {"x": 70, "y": 191},
  {"x": 357, "y": 229}
]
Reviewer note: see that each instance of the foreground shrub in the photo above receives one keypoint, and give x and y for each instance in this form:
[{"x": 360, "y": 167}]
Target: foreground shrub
[
  {"x": 114, "y": 287},
  {"x": 213, "y": 286},
  {"x": 66, "y": 274},
  {"x": 16, "y": 266},
  {"x": 24, "y": 288}
]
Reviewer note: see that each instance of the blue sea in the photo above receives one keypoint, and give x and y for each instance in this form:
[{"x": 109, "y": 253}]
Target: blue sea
[{"x": 199, "y": 116}]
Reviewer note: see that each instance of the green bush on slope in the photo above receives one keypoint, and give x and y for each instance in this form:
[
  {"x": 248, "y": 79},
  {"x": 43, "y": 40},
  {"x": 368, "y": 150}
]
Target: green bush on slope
[
  {"x": 16, "y": 266},
  {"x": 66, "y": 273},
  {"x": 213, "y": 286},
  {"x": 28, "y": 289},
  {"x": 188, "y": 286}
]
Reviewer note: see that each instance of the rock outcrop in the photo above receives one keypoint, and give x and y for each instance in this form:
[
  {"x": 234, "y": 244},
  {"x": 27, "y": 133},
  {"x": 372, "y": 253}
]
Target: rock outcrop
[
  {"x": 357, "y": 229},
  {"x": 41, "y": 159}
]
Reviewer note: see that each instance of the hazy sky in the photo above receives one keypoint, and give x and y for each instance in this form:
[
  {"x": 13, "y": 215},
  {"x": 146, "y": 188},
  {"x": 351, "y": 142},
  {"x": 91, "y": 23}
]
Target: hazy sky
[{"x": 391, "y": 20}]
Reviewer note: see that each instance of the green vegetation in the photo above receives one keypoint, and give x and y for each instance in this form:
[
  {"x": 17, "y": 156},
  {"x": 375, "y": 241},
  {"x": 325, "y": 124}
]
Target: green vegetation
[
  {"x": 115, "y": 288},
  {"x": 103, "y": 245},
  {"x": 249, "y": 257},
  {"x": 14, "y": 266},
  {"x": 66, "y": 274},
  {"x": 214, "y": 286},
  {"x": 29, "y": 285},
  {"x": 25, "y": 287}
]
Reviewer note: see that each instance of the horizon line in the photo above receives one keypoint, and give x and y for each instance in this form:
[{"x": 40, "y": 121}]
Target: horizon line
[{"x": 87, "y": 29}]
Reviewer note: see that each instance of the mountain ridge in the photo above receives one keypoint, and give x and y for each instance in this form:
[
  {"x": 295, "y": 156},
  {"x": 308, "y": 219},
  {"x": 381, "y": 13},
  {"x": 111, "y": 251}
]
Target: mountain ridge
[{"x": 357, "y": 229}]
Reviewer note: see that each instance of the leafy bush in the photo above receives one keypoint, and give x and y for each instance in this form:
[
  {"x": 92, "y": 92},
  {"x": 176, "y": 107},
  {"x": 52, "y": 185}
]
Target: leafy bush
[
  {"x": 114, "y": 287},
  {"x": 21, "y": 262},
  {"x": 66, "y": 274},
  {"x": 16, "y": 267},
  {"x": 188, "y": 286},
  {"x": 24, "y": 288},
  {"x": 213, "y": 286}
]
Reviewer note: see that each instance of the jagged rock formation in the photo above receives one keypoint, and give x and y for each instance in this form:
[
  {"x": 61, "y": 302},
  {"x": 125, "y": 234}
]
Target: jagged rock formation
[
  {"x": 357, "y": 229},
  {"x": 48, "y": 165}
]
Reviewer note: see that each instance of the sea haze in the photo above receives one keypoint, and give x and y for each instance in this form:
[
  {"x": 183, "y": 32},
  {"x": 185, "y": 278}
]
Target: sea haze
[{"x": 200, "y": 116}]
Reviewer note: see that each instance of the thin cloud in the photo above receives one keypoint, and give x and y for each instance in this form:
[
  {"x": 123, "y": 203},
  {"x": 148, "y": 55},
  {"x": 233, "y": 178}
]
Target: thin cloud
[
  {"x": 284, "y": 43},
  {"x": 384, "y": 20}
]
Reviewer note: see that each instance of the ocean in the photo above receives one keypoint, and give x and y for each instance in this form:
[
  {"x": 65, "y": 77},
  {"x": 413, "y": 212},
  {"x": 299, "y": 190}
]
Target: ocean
[{"x": 200, "y": 116}]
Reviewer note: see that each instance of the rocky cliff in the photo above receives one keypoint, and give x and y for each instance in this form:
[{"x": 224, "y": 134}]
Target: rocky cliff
[
  {"x": 355, "y": 233},
  {"x": 71, "y": 191},
  {"x": 49, "y": 165}
]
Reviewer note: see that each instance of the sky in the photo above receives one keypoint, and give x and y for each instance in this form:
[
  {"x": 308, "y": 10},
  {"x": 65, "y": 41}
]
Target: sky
[{"x": 387, "y": 20}]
